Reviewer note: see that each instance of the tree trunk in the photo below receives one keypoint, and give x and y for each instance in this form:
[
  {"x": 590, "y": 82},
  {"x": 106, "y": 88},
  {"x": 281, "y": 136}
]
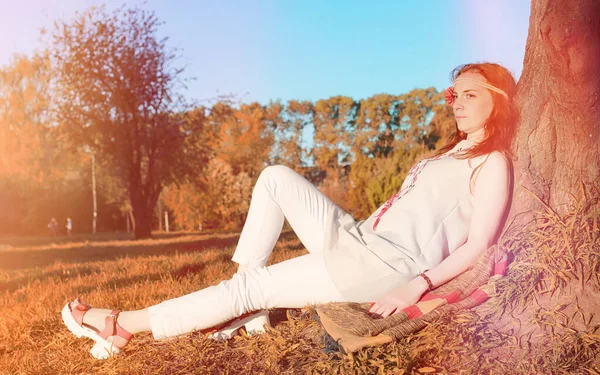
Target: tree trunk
[
  {"x": 131, "y": 220},
  {"x": 143, "y": 220},
  {"x": 556, "y": 148},
  {"x": 558, "y": 96},
  {"x": 143, "y": 201}
]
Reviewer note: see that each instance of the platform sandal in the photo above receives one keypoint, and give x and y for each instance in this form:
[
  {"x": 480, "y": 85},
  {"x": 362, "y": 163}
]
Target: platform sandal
[{"x": 72, "y": 316}]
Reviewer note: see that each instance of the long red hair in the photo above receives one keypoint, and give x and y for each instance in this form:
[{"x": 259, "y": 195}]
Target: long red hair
[{"x": 500, "y": 127}]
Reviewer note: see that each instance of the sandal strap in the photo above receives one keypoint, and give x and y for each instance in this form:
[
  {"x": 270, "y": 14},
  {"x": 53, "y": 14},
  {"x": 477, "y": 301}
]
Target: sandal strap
[
  {"x": 79, "y": 311},
  {"x": 113, "y": 328}
]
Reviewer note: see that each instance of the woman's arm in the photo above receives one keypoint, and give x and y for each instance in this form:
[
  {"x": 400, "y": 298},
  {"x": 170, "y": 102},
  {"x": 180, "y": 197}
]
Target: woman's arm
[{"x": 490, "y": 199}]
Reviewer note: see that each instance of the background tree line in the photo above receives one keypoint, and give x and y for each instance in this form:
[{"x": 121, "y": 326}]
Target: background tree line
[{"x": 106, "y": 85}]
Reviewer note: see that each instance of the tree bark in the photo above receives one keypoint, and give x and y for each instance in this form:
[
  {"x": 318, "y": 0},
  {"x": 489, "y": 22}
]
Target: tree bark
[
  {"x": 558, "y": 96},
  {"x": 556, "y": 151},
  {"x": 143, "y": 219}
]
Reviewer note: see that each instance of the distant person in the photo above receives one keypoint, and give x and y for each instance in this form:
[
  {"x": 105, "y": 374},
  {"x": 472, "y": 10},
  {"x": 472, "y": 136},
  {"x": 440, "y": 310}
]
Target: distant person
[
  {"x": 69, "y": 226},
  {"x": 447, "y": 212},
  {"x": 53, "y": 227}
]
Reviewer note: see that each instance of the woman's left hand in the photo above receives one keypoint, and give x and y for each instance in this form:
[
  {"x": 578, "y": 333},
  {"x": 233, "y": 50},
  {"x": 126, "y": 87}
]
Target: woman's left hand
[{"x": 399, "y": 298}]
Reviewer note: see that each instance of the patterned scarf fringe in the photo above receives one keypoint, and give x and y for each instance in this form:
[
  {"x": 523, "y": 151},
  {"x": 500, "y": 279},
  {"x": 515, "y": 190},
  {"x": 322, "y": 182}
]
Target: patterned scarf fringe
[{"x": 465, "y": 291}]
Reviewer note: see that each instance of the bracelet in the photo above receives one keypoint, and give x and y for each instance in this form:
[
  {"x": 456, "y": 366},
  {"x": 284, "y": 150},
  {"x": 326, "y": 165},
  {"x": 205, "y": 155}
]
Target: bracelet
[{"x": 428, "y": 280}]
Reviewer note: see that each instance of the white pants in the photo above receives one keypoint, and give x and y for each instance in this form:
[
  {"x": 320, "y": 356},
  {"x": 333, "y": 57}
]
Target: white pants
[{"x": 279, "y": 193}]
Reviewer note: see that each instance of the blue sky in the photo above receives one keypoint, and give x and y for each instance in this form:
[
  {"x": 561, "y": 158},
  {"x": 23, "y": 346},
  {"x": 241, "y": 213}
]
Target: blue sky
[{"x": 308, "y": 50}]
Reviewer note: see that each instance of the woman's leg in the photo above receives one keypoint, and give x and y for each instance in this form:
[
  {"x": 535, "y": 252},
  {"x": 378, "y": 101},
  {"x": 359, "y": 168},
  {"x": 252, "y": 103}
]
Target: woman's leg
[
  {"x": 293, "y": 283},
  {"x": 280, "y": 193}
]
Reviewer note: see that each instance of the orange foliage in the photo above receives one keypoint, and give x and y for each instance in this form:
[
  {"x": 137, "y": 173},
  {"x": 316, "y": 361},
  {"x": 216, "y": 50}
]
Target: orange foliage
[{"x": 244, "y": 139}]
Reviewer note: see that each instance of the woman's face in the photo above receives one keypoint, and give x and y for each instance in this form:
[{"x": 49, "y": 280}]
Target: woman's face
[{"x": 472, "y": 106}]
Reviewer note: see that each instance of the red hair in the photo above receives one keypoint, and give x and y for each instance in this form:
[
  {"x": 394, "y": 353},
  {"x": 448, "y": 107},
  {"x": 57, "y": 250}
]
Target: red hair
[{"x": 500, "y": 127}]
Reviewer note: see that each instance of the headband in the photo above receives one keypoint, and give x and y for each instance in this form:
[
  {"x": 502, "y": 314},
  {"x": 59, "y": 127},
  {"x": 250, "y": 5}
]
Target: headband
[{"x": 481, "y": 83}]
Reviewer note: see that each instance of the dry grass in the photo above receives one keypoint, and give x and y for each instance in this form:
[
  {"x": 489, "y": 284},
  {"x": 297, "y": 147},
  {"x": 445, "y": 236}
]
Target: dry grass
[{"x": 543, "y": 319}]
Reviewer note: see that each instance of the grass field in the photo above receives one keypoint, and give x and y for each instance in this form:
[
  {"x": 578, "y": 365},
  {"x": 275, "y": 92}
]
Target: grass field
[{"x": 39, "y": 275}]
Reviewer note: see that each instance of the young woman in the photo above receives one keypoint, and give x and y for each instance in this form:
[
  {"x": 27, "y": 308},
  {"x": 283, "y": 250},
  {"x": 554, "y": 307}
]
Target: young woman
[{"x": 448, "y": 210}]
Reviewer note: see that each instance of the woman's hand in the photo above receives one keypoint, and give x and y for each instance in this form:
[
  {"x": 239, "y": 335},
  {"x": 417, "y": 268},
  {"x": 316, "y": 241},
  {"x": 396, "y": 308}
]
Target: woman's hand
[{"x": 399, "y": 298}]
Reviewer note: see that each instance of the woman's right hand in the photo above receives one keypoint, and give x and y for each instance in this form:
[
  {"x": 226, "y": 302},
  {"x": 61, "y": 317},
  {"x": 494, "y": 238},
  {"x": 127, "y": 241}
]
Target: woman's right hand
[{"x": 399, "y": 298}]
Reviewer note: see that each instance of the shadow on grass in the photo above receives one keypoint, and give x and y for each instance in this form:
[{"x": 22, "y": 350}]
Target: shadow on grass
[
  {"x": 64, "y": 276},
  {"x": 178, "y": 274},
  {"x": 99, "y": 251},
  {"x": 20, "y": 242},
  {"x": 61, "y": 275},
  {"x": 94, "y": 251}
]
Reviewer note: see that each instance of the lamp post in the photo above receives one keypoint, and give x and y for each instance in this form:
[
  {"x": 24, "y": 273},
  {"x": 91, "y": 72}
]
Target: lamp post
[{"x": 95, "y": 214}]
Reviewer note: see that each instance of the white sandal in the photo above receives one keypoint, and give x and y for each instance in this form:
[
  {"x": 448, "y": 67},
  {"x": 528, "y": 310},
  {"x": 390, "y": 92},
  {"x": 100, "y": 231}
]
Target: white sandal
[
  {"x": 103, "y": 349},
  {"x": 253, "y": 322}
]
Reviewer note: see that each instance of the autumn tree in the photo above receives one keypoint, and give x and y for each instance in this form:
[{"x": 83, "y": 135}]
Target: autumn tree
[
  {"x": 292, "y": 119},
  {"x": 24, "y": 134},
  {"x": 240, "y": 140},
  {"x": 391, "y": 133},
  {"x": 333, "y": 121},
  {"x": 244, "y": 137},
  {"x": 117, "y": 96},
  {"x": 377, "y": 125},
  {"x": 39, "y": 177}
]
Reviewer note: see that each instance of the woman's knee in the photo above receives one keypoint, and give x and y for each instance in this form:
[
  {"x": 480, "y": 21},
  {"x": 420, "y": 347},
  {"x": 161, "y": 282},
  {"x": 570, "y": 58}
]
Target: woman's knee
[{"x": 275, "y": 173}]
